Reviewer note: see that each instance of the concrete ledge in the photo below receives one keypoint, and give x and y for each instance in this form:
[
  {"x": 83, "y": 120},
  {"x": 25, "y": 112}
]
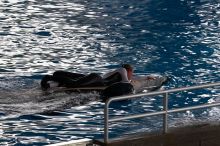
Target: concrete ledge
[{"x": 197, "y": 135}]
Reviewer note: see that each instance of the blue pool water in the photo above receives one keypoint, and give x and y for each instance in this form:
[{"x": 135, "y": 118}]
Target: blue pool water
[{"x": 178, "y": 38}]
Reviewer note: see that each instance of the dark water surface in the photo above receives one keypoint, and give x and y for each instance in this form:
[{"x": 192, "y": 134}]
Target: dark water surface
[{"x": 179, "y": 38}]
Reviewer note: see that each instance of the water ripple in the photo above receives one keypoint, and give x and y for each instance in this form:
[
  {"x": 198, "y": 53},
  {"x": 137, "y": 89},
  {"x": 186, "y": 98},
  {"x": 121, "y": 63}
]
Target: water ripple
[{"x": 179, "y": 39}]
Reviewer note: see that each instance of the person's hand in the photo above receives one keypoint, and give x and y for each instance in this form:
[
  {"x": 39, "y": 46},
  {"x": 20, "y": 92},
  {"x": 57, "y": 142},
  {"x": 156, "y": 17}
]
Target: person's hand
[{"x": 150, "y": 78}]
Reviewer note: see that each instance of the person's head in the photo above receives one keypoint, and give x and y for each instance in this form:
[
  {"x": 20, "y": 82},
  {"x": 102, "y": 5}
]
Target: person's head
[{"x": 129, "y": 70}]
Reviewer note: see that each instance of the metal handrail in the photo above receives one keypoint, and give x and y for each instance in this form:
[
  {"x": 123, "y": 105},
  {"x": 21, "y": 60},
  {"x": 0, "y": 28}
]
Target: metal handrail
[{"x": 165, "y": 111}]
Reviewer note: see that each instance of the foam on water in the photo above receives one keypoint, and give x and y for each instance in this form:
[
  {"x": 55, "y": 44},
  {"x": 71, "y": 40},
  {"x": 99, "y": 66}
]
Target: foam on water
[
  {"x": 23, "y": 96},
  {"x": 176, "y": 38}
]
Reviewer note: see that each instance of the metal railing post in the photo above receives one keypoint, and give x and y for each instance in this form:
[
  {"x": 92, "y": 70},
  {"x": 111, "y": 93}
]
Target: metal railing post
[
  {"x": 165, "y": 116},
  {"x": 106, "y": 118},
  {"x": 165, "y": 111}
]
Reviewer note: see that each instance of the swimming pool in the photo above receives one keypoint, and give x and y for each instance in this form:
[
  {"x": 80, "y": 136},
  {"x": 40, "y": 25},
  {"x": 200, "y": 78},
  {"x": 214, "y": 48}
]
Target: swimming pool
[{"x": 175, "y": 38}]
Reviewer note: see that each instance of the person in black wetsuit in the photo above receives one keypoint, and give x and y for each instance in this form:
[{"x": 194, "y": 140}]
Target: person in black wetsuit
[
  {"x": 75, "y": 80},
  {"x": 123, "y": 85}
]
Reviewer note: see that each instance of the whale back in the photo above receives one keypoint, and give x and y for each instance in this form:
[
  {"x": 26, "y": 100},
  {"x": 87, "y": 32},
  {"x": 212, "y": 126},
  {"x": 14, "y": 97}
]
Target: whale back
[{"x": 141, "y": 83}]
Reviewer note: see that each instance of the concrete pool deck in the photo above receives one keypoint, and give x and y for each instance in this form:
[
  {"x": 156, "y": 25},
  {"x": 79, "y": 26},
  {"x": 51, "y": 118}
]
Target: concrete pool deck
[{"x": 196, "y": 135}]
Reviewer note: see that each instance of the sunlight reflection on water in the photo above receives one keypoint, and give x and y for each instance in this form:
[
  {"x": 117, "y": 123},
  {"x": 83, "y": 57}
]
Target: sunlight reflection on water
[{"x": 179, "y": 39}]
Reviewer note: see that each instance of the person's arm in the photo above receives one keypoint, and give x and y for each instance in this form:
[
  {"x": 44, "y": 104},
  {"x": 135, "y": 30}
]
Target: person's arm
[
  {"x": 121, "y": 71},
  {"x": 124, "y": 76},
  {"x": 108, "y": 74}
]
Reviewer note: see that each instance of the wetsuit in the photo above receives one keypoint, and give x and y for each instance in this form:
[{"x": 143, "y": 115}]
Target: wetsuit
[
  {"x": 119, "y": 84},
  {"x": 74, "y": 80},
  {"x": 119, "y": 75},
  {"x": 71, "y": 80}
]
